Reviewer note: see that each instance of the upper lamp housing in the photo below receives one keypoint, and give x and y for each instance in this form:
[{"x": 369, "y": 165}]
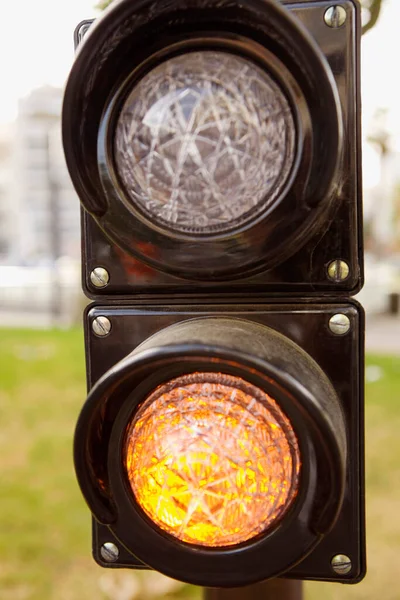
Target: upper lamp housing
[{"x": 198, "y": 133}]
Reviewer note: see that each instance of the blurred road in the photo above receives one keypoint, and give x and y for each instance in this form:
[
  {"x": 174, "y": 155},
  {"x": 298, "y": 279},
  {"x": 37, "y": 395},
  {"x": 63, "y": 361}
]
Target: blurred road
[
  {"x": 383, "y": 334},
  {"x": 25, "y": 319}
]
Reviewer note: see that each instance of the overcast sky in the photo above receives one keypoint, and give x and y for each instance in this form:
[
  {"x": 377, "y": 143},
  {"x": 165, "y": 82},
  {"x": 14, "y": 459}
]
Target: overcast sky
[{"x": 36, "y": 47}]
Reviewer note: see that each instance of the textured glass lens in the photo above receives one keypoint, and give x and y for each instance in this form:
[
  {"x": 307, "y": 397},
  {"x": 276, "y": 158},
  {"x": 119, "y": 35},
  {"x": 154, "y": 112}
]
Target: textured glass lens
[
  {"x": 212, "y": 460},
  {"x": 205, "y": 142}
]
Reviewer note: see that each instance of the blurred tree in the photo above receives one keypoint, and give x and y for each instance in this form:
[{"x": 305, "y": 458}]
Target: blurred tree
[
  {"x": 103, "y": 4},
  {"x": 396, "y": 219},
  {"x": 371, "y": 10},
  {"x": 379, "y": 134},
  {"x": 384, "y": 220}
]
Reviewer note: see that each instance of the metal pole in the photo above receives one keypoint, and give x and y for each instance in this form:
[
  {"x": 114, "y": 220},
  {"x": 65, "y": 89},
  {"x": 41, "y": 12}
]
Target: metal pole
[{"x": 274, "y": 589}]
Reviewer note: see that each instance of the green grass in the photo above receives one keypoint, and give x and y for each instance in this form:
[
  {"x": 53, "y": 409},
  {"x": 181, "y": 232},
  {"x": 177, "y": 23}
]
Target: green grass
[
  {"x": 44, "y": 522},
  {"x": 383, "y": 491}
]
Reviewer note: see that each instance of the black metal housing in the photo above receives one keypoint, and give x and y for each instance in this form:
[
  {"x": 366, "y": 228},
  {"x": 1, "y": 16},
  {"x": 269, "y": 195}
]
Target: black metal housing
[
  {"x": 317, "y": 219},
  {"x": 110, "y": 404},
  {"x": 207, "y": 287}
]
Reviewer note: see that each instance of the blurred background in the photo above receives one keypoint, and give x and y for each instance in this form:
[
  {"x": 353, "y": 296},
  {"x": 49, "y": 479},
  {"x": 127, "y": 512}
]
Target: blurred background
[{"x": 44, "y": 523}]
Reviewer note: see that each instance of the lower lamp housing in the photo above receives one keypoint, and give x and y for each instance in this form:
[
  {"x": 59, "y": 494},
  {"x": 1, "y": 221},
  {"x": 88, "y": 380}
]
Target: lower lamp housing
[{"x": 221, "y": 452}]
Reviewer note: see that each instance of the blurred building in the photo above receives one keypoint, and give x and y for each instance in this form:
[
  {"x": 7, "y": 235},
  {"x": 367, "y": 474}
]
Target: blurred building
[
  {"x": 46, "y": 209},
  {"x": 6, "y": 205},
  {"x": 381, "y": 208}
]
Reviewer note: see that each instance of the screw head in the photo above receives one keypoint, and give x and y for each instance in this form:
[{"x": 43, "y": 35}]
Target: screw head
[
  {"x": 109, "y": 552},
  {"x": 335, "y": 16},
  {"x": 339, "y": 324},
  {"x": 100, "y": 277},
  {"x": 101, "y": 326},
  {"x": 338, "y": 270},
  {"x": 341, "y": 564}
]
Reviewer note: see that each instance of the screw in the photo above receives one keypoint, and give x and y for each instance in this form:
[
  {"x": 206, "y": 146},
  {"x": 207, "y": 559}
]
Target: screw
[
  {"x": 100, "y": 277},
  {"x": 335, "y": 16},
  {"x": 338, "y": 271},
  {"x": 339, "y": 324},
  {"x": 101, "y": 326},
  {"x": 109, "y": 552},
  {"x": 341, "y": 564}
]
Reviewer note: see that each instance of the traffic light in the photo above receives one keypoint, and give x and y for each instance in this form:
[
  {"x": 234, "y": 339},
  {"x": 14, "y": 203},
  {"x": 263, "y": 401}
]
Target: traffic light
[{"x": 215, "y": 147}]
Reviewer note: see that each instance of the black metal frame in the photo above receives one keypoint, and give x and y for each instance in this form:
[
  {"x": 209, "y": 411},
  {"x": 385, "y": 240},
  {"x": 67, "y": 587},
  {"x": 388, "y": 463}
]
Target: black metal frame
[{"x": 91, "y": 104}]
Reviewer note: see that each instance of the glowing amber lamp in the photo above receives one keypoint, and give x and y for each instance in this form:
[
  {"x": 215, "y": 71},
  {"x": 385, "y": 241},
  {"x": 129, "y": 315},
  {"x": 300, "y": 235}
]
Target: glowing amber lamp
[{"x": 212, "y": 460}]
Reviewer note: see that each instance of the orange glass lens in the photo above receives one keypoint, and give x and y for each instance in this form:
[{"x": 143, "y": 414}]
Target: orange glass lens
[{"x": 212, "y": 459}]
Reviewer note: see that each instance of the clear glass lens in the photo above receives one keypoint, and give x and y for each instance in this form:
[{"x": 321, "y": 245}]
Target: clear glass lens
[
  {"x": 205, "y": 142},
  {"x": 212, "y": 460}
]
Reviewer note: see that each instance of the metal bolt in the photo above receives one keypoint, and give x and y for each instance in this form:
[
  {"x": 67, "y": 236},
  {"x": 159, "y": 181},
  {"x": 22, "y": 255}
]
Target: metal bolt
[
  {"x": 338, "y": 270},
  {"x": 100, "y": 277},
  {"x": 335, "y": 16},
  {"x": 109, "y": 552},
  {"x": 101, "y": 326},
  {"x": 341, "y": 564},
  {"x": 339, "y": 324}
]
